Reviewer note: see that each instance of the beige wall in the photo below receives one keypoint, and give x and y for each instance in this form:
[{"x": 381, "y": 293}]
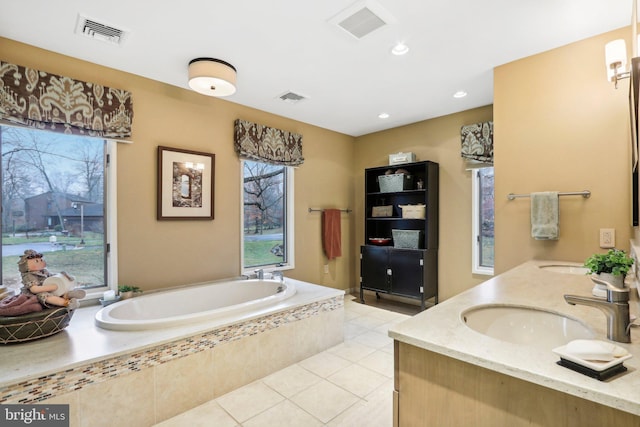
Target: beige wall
[
  {"x": 156, "y": 254},
  {"x": 437, "y": 140},
  {"x": 559, "y": 125}
]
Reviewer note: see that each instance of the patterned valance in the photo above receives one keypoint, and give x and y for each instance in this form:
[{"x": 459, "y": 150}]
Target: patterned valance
[
  {"x": 477, "y": 142},
  {"x": 34, "y": 98},
  {"x": 266, "y": 144}
]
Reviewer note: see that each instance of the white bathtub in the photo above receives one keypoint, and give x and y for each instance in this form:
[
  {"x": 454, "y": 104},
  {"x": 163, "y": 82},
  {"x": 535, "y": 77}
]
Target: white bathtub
[{"x": 192, "y": 304}]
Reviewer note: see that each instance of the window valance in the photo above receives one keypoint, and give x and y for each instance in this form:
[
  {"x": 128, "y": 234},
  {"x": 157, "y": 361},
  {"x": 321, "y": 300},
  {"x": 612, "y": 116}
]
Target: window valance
[
  {"x": 267, "y": 144},
  {"x": 477, "y": 143},
  {"x": 37, "y": 99}
]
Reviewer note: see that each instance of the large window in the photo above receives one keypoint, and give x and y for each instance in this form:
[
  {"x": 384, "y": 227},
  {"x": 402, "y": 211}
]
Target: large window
[
  {"x": 483, "y": 221},
  {"x": 267, "y": 216},
  {"x": 55, "y": 189}
]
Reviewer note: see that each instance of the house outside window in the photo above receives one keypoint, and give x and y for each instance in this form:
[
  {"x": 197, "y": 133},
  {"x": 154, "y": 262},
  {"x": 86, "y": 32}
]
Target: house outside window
[
  {"x": 55, "y": 193},
  {"x": 483, "y": 221},
  {"x": 267, "y": 216}
]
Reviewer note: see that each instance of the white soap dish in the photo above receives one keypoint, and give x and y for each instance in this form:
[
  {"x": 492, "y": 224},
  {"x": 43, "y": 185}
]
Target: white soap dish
[{"x": 598, "y": 370}]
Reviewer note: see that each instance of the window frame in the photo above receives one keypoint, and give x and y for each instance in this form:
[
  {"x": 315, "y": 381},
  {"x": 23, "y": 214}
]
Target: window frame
[
  {"x": 110, "y": 181},
  {"x": 289, "y": 231},
  {"x": 476, "y": 268}
]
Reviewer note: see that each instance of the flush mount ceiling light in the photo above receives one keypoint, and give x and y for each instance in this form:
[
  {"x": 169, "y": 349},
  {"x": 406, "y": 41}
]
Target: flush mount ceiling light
[
  {"x": 383, "y": 115},
  {"x": 460, "y": 94},
  {"x": 212, "y": 77}
]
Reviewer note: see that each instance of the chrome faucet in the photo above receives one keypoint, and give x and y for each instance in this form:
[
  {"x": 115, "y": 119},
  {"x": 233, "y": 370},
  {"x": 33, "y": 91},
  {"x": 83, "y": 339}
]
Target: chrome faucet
[
  {"x": 277, "y": 274},
  {"x": 615, "y": 307},
  {"x": 259, "y": 274}
]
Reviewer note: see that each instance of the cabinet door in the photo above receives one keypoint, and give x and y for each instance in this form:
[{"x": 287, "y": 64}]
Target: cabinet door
[
  {"x": 407, "y": 272},
  {"x": 373, "y": 268}
]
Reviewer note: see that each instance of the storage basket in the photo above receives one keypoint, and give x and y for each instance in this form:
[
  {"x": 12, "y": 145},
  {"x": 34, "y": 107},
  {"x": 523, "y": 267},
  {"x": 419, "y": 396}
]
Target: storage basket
[
  {"x": 413, "y": 211},
  {"x": 407, "y": 239},
  {"x": 382, "y": 211},
  {"x": 27, "y": 327},
  {"x": 395, "y": 182}
]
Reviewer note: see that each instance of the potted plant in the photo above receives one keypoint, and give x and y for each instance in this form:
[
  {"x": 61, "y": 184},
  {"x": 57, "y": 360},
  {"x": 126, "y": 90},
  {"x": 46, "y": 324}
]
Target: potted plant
[
  {"x": 612, "y": 266},
  {"x": 127, "y": 291}
]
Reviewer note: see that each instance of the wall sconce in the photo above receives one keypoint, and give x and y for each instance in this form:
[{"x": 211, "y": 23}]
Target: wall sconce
[
  {"x": 616, "y": 60},
  {"x": 212, "y": 77}
]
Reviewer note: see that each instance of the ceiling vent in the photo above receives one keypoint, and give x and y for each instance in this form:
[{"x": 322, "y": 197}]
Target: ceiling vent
[
  {"x": 291, "y": 97},
  {"x": 99, "y": 31},
  {"x": 362, "y": 18}
]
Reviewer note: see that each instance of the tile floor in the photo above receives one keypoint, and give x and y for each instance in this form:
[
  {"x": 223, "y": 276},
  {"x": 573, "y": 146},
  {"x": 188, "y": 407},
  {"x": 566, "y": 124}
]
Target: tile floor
[{"x": 350, "y": 384}]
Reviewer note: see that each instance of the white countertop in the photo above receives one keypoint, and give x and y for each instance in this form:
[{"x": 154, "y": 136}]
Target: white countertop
[
  {"x": 82, "y": 342},
  {"x": 441, "y": 330}
]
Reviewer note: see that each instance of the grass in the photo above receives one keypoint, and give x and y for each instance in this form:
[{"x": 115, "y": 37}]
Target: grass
[
  {"x": 85, "y": 264},
  {"x": 258, "y": 253}
]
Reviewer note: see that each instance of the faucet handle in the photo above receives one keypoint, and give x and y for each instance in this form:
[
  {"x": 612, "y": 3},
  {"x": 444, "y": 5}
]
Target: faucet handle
[{"x": 610, "y": 286}]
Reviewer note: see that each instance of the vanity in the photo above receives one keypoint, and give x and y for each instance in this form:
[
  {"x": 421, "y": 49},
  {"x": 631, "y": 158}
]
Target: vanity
[{"x": 447, "y": 373}]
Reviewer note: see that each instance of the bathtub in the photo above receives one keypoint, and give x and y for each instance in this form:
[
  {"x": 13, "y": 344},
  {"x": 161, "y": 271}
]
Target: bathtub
[{"x": 193, "y": 304}]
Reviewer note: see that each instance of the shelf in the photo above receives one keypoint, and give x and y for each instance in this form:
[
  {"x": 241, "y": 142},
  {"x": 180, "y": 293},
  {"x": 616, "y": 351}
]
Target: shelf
[{"x": 380, "y": 193}]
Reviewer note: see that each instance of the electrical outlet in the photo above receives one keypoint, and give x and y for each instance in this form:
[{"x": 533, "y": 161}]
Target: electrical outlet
[
  {"x": 326, "y": 269},
  {"x": 607, "y": 238}
]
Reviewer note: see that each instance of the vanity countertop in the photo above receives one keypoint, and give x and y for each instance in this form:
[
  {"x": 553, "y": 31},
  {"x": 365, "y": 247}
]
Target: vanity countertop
[{"x": 440, "y": 329}]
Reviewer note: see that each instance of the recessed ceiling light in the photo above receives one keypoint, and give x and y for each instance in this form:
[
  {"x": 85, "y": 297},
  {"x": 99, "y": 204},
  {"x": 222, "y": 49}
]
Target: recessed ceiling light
[
  {"x": 400, "y": 49},
  {"x": 460, "y": 94},
  {"x": 383, "y": 115}
]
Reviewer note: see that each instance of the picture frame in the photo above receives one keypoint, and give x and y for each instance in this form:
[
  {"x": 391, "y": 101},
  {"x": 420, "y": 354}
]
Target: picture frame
[{"x": 186, "y": 184}]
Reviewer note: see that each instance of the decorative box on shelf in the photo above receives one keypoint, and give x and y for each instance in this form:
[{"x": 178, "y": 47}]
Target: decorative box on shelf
[
  {"x": 406, "y": 239},
  {"x": 401, "y": 158},
  {"x": 395, "y": 182},
  {"x": 382, "y": 211},
  {"x": 413, "y": 211}
]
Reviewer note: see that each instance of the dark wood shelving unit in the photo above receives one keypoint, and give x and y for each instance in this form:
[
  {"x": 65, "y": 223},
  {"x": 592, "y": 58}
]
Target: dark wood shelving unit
[{"x": 406, "y": 272}]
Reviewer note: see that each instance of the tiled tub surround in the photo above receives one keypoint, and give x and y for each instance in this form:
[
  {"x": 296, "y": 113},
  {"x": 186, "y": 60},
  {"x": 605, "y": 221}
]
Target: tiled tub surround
[
  {"x": 144, "y": 377},
  {"x": 440, "y": 330}
]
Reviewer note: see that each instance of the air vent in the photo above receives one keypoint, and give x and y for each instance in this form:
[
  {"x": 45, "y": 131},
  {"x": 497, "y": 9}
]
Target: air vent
[
  {"x": 291, "y": 97},
  {"x": 99, "y": 31},
  {"x": 362, "y": 18}
]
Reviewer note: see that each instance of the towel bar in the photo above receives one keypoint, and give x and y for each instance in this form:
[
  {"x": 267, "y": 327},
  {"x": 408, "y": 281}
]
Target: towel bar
[
  {"x": 320, "y": 210},
  {"x": 585, "y": 193}
]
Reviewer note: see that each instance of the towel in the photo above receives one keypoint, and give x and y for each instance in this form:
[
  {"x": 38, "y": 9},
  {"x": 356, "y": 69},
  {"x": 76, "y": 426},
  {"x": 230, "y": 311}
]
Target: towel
[
  {"x": 331, "y": 234},
  {"x": 544, "y": 215},
  {"x": 19, "y": 304}
]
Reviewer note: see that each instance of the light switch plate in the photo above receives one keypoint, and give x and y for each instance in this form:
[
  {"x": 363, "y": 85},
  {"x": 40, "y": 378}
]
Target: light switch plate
[{"x": 607, "y": 238}]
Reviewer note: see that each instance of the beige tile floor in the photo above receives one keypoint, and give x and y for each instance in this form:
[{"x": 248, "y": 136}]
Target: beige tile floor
[{"x": 350, "y": 384}]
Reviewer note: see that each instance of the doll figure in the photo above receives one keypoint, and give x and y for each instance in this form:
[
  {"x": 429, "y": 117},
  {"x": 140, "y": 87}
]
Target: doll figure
[{"x": 32, "y": 266}]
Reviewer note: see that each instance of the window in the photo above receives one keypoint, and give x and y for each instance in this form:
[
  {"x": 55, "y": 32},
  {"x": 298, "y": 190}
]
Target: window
[
  {"x": 267, "y": 216},
  {"x": 483, "y": 221},
  {"x": 55, "y": 192}
]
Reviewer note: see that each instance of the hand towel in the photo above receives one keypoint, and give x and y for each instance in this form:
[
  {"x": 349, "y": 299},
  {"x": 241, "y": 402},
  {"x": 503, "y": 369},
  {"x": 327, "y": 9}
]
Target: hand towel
[
  {"x": 331, "y": 233},
  {"x": 19, "y": 304},
  {"x": 544, "y": 215}
]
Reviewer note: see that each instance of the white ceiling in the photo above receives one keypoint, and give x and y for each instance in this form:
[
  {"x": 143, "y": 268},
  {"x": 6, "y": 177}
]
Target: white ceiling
[{"x": 289, "y": 45}]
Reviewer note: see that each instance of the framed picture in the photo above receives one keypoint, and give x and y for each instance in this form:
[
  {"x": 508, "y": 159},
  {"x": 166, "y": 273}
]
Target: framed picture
[{"x": 185, "y": 184}]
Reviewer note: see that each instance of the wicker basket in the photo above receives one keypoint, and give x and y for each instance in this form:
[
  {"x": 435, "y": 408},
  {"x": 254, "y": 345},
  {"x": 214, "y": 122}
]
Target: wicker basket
[{"x": 32, "y": 326}]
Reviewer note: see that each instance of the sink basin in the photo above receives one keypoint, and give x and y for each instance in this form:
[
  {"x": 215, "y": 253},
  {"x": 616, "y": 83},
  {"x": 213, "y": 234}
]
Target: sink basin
[
  {"x": 525, "y": 325},
  {"x": 566, "y": 269}
]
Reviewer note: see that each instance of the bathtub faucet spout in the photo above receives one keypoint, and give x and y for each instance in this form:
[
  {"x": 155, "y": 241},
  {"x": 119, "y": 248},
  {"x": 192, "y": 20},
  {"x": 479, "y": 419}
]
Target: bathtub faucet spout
[{"x": 259, "y": 274}]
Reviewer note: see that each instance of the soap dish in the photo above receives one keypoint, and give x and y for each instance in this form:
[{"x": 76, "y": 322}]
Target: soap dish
[{"x": 598, "y": 370}]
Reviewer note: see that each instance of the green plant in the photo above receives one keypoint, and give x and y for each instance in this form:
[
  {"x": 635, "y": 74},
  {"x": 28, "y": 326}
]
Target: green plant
[
  {"x": 127, "y": 288},
  {"x": 615, "y": 261}
]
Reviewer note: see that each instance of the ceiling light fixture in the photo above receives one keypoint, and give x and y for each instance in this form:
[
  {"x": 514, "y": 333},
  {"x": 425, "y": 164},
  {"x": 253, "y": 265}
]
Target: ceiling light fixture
[
  {"x": 383, "y": 115},
  {"x": 615, "y": 54},
  {"x": 400, "y": 49},
  {"x": 212, "y": 77},
  {"x": 460, "y": 94}
]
